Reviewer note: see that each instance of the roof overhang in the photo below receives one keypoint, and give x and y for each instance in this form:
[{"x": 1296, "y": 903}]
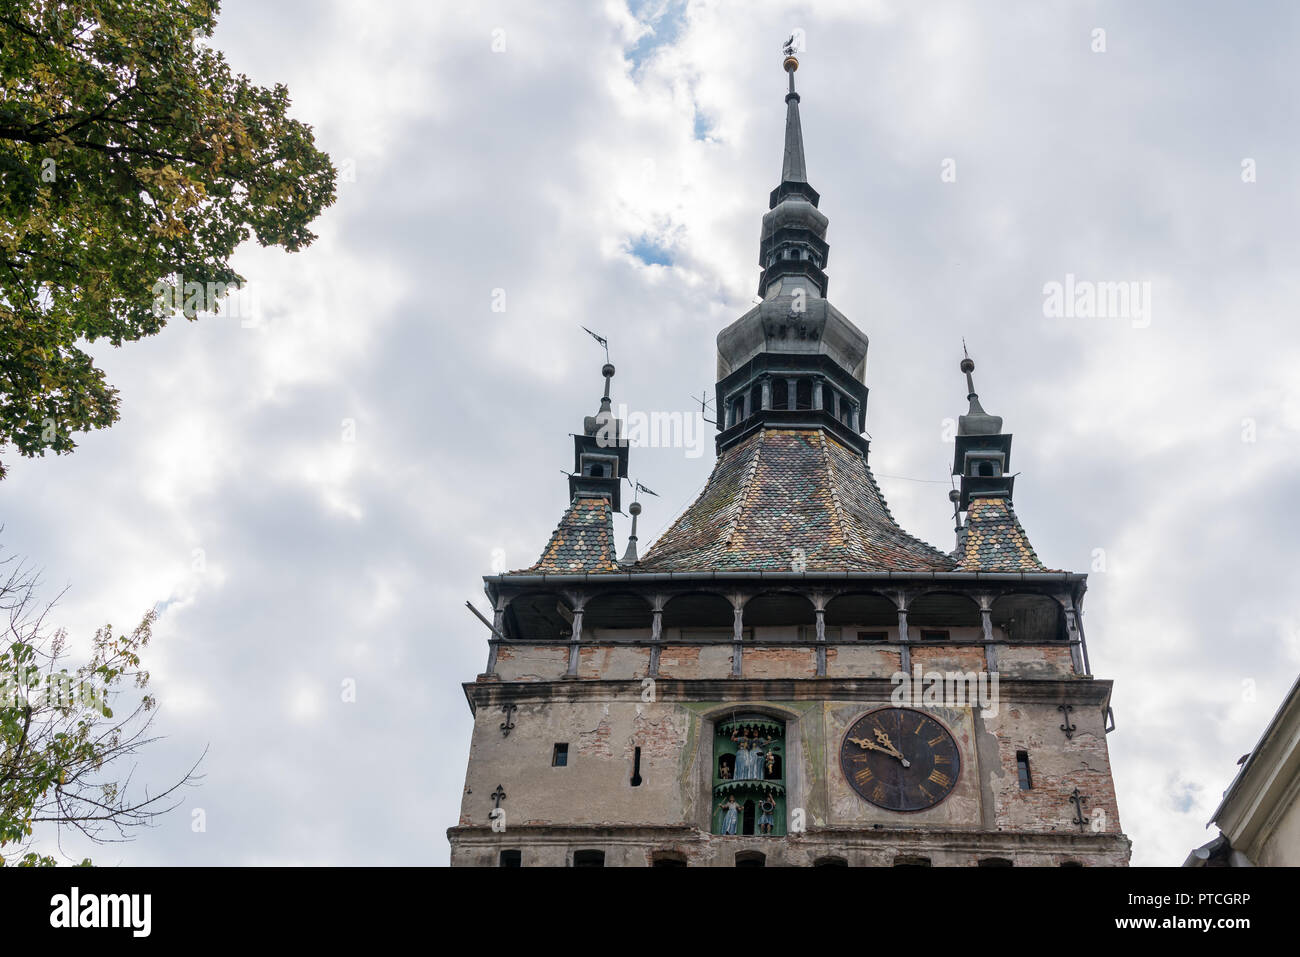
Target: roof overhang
[{"x": 1267, "y": 784}]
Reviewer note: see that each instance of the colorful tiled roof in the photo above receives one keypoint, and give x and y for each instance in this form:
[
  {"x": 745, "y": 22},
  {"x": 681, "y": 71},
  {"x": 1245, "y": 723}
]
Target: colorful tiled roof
[
  {"x": 791, "y": 499},
  {"x": 995, "y": 541},
  {"x": 583, "y": 541}
]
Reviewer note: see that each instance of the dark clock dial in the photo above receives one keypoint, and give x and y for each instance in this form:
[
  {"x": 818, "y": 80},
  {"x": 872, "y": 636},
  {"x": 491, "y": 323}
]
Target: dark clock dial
[{"x": 900, "y": 759}]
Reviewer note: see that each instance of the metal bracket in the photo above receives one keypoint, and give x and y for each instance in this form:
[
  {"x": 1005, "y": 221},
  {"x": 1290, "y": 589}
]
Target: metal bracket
[
  {"x": 1068, "y": 727},
  {"x": 508, "y": 724},
  {"x": 1078, "y": 800}
]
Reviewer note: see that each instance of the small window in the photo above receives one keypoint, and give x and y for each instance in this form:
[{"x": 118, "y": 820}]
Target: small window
[
  {"x": 934, "y": 634},
  {"x": 994, "y": 862},
  {"x": 1022, "y": 767},
  {"x": 560, "y": 756},
  {"x": 511, "y": 859},
  {"x": 905, "y": 860},
  {"x": 873, "y": 636},
  {"x": 588, "y": 858}
]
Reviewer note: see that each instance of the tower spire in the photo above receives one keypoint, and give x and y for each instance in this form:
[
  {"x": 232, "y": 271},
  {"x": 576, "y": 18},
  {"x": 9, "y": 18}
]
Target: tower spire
[{"x": 793, "y": 167}]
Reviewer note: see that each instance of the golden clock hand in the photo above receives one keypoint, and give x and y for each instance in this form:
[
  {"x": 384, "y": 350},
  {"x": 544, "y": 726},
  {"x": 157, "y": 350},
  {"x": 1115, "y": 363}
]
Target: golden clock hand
[
  {"x": 891, "y": 750},
  {"x": 883, "y": 738}
]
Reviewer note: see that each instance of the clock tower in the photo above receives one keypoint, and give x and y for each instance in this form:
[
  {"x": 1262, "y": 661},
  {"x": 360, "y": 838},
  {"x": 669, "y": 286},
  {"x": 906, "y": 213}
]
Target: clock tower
[{"x": 787, "y": 677}]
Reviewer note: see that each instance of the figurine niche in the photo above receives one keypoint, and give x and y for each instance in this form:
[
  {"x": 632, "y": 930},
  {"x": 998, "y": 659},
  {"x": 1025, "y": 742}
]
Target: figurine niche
[{"x": 750, "y": 755}]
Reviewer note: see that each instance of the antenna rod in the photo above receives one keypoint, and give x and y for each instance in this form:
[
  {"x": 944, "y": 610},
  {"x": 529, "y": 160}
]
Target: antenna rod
[{"x": 491, "y": 627}]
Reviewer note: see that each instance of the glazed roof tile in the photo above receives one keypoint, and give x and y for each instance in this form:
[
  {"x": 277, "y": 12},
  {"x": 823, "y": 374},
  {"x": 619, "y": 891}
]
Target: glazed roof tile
[
  {"x": 583, "y": 541},
  {"x": 791, "y": 499},
  {"x": 995, "y": 541}
]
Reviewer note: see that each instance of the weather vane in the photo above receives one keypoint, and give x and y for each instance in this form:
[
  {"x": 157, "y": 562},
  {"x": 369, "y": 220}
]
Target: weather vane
[{"x": 601, "y": 339}]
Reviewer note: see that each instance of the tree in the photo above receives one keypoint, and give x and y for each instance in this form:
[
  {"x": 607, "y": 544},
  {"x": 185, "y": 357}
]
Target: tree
[
  {"x": 61, "y": 747},
  {"x": 133, "y": 162}
]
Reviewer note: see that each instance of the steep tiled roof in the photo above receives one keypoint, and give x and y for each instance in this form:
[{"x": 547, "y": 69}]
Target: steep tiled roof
[
  {"x": 995, "y": 540},
  {"x": 783, "y": 495},
  {"x": 583, "y": 541}
]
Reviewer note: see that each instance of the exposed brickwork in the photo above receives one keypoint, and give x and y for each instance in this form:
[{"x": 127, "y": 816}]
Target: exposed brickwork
[
  {"x": 1057, "y": 766},
  {"x": 779, "y": 662},
  {"x": 948, "y": 658}
]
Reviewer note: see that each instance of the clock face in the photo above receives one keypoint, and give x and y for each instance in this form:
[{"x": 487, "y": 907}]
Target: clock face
[{"x": 900, "y": 759}]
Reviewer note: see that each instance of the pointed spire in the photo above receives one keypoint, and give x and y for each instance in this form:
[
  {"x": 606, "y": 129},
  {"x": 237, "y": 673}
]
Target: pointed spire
[
  {"x": 982, "y": 453},
  {"x": 793, "y": 240},
  {"x": 793, "y": 167},
  {"x": 976, "y": 421},
  {"x": 629, "y": 556},
  {"x": 600, "y": 453}
]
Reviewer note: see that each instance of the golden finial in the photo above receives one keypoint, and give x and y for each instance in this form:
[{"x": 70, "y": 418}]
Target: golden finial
[{"x": 791, "y": 61}]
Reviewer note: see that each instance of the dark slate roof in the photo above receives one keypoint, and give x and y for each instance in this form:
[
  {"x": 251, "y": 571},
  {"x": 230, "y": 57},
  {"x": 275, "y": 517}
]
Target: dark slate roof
[
  {"x": 583, "y": 541},
  {"x": 995, "y": 541},
  {"x": 787, "y": 489}
]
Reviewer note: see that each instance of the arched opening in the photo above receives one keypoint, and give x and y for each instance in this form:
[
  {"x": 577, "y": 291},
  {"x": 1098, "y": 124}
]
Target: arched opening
[
  {"x": 943, "y": 610},
  {"x": 830, "y": 862},
  {"x": 803, "y": 394},
  {"x": 772, "y": 768},
  {"x": 539, "y": 616},
  {"x": 862, "y": 615},
  {"x": 700, "y": 614},
  {"x": 1024, "y": 617},
  {"x": 994, "y": 862},
  {"x": 909, "y": 860},
  {"x": 667, "y": 859},
  {"x": 749, "y": 788},
  {"x": 779, "y": 609},
  {"x": 588, "y": 858},
  {"x": 619, "y": 611},
  {"x": 751, "y": 859}
]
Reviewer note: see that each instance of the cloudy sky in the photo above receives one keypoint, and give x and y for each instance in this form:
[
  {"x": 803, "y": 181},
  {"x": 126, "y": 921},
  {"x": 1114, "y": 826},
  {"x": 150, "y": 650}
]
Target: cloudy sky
[{"x": 310, "y": 493}]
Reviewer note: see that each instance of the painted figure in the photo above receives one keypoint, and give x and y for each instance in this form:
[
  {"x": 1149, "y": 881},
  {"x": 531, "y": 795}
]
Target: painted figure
[
  {"x": 766, "y": 820},
  {"x": 731, "y": 815}
]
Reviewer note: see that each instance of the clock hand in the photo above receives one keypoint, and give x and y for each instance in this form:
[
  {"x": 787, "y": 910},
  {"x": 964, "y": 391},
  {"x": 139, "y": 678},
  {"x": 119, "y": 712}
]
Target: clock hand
[
  {"x": 890, "y": 750},
  {"x": 884, "y": 739}
]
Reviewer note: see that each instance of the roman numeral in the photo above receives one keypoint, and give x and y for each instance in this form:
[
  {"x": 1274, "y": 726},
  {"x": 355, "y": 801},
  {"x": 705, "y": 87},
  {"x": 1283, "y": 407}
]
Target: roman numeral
[
  {"x": 942, "y": 759},
  {"x": 863, "y": 776},
  {"x": 878, "y": 794},
  {"x": 939, "y": 778},
  {"x": 934, "y": 742},
  {"x": 921, "y": 788}
]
